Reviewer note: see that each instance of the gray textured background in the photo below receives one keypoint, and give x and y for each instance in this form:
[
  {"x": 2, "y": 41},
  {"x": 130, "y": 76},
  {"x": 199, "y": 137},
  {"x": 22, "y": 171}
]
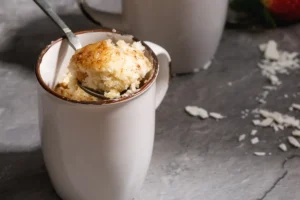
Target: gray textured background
[{"x": 192, "y": 159}]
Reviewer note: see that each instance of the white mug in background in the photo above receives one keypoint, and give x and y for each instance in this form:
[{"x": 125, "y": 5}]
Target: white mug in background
[
  {"x": 97, "y": 150},
  {"x": 190, "y": 30}
]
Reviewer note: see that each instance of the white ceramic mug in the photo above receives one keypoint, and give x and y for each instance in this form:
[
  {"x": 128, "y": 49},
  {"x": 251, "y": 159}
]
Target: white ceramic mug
[
  {"x": 190, "y": 30},
  {"x": 98, "y": 150}
]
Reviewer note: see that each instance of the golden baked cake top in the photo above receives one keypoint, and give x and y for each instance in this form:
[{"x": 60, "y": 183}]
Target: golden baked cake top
[{"x": 112, "y": 67}]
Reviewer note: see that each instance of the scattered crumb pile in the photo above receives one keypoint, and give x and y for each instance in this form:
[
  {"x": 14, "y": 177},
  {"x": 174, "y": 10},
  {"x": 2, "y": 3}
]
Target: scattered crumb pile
[
  {"x": 276, "y": 62},
  {"x": 277, "y": 122}
]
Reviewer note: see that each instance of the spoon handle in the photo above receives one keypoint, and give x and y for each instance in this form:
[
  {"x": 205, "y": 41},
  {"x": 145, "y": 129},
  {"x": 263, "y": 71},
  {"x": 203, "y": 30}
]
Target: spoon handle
[{"x": 72, "y": 38}]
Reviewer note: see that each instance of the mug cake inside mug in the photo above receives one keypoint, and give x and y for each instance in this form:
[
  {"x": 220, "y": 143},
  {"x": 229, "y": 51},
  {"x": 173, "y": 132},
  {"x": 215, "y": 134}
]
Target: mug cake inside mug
[{"x": 117, "y": 66}]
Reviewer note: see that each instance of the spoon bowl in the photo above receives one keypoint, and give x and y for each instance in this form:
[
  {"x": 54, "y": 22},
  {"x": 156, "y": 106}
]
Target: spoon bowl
[{"x": 91, "y": 91}]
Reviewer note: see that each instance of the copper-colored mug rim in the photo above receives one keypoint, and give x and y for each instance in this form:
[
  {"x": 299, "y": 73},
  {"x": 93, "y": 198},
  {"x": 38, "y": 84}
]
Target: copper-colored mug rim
[{"x": 100, "y": 102}]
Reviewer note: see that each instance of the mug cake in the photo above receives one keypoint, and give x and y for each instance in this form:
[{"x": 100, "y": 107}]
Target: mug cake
[{"x": 113, "y": 67}]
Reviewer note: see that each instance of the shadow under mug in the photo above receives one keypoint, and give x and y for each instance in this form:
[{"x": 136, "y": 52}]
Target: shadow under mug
[{"x": 98, "y": 150}]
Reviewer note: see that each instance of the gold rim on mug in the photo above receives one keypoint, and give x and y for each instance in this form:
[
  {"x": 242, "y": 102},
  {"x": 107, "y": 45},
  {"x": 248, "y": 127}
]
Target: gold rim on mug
[{"x": 99, "y": 102}]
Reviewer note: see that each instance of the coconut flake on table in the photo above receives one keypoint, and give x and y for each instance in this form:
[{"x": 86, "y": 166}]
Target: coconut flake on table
[
  {"x": 196, "y": 111},
  {"x": 256, "y": 122},
  {"x": 266, "y": 122},
  {"x": 296, "y": 106},
  {"x": 285, "y": 120},
  {"x": 265, "y": 94},
  {"x": 207, "y": 65},
  {"x": 262, "y": 47},
  {"x": 242, "y": 137},
  {"x": 244, "y": 113},
  {"x": 293, "y": 141},
  {"x": 281, "y": 127},
  {"x": 254, "y": 140},
  {"x": 271, "y": 51},
  {"x": 216, "y": 115},
  {"x": 262, "y": 101},
  {"x": 259, "y": 153},
  {"x": 296, "y": 133},
  {"x": 269, "y": 87},
  {"x": 253, "y": 132},
  {"x": 275, "y": 127},
  {"x": 283, "y": 147}
]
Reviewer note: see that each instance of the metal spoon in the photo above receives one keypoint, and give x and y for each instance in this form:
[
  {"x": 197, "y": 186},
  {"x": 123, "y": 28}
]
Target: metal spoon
[{"x": 72, "y": 38}]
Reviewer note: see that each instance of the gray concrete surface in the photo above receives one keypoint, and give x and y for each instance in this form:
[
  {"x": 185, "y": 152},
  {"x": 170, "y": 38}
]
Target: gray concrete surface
[{"x": 192, "y": 159}]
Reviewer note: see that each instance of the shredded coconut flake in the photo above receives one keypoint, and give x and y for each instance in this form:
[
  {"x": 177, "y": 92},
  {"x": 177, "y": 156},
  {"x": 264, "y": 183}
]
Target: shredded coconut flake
[
  {"x": 207, "y": 65},
  {"x": 296, "y": 133},
  {"x": 266, "y": 122},
  {"x": 293, "y": 141},
  {"x": 196, "y": 111},
  {"x": 253, "y": 132},
  {"x": 275, "y": 127},
  {"x": 259, "y": 153},
  {"x": 281, "y": 127},
  {"x": 256, "y": 122},
  {"x": 285, "y": 120},
  {"x": 262, "y": 101},
  {"x": 216, "y": 115},
  {"x": 267, "y": 87},
  {"x": 296, "y": 106},
  {"x": 276, "y": 62},
  {"x": 254, "y": 140},
  {"x": 283, "y": 147},
  {"x": 271, "y": 51},
  {"x": 242, "y": 137}
]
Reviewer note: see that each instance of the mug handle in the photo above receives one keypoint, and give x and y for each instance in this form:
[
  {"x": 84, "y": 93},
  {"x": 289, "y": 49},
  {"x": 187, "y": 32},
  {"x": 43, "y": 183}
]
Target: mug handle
[{"x": 164, "y": 74}]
